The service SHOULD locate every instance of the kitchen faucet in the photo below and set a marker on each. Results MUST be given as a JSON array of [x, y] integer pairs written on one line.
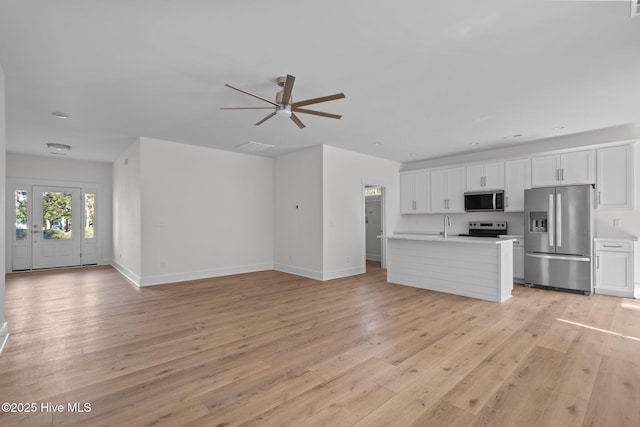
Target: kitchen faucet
[[447, 223]]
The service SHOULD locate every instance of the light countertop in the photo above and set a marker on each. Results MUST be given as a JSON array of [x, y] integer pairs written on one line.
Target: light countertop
[[623, 239], [450, 239]]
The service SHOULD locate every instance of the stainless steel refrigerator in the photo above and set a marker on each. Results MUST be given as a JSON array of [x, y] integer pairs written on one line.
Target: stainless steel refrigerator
[[559, 237]]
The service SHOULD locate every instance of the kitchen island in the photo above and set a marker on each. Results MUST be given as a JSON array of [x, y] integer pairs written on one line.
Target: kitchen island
[[470, 266]]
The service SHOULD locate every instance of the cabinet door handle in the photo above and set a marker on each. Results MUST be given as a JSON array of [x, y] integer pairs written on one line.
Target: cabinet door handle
[[611, 246], [506, 202], [557, 174], [598, 262], [562, 174], [599, 197]]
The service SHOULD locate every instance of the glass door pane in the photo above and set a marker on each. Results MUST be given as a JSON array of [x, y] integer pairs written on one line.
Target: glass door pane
[[56, 215]]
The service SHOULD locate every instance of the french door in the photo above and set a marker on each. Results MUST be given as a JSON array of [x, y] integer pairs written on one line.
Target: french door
[[53, 225], [56, 227]]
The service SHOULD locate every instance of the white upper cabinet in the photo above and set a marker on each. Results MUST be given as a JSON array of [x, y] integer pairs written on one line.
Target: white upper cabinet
[[447, 190], [577, 167], [615, 177], [489, 176], [517, 179], [414, 192]]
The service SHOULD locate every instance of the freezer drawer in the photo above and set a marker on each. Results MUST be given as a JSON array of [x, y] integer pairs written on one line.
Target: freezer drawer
[[565, 272]]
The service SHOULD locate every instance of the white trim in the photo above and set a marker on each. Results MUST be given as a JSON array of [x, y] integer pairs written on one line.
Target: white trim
[[311, 274], [337, 274], [4, 336], [128, 274], [374, 257], [13, 182], [161, 279], [385, 185]]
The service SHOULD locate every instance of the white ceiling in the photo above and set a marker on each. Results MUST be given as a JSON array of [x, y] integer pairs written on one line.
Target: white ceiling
[[423, 78]]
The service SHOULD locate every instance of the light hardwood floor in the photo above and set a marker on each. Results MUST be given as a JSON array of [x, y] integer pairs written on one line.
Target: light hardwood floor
[[274, 349]]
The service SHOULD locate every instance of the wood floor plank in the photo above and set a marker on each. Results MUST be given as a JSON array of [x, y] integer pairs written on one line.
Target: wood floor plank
[[269, 348], [615, 400]]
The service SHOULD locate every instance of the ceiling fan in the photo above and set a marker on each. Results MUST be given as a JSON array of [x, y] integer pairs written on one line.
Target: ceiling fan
[[284, 106]]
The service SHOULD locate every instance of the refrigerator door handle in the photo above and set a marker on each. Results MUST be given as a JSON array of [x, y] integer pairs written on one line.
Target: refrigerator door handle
[[560, 257], [559, 220], [551, 226], [494, 201]]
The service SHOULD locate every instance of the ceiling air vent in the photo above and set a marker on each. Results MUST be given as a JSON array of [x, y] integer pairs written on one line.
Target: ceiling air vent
[[635, 7], [253, 147]]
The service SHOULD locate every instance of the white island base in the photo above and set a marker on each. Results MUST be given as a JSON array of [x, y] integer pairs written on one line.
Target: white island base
[[468, 266]]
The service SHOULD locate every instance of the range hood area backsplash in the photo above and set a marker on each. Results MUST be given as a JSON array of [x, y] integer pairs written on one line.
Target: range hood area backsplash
[[433, 223]]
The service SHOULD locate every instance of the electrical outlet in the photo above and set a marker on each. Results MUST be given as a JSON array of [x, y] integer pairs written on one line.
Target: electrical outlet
[[617, 222]]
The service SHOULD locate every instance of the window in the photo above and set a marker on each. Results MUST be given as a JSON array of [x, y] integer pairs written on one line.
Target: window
[[89, 215], [56, 215], [373, 191], [21, 214]]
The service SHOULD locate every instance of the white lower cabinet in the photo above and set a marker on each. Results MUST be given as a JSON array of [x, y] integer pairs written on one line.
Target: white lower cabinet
[[518, 258], [614, 267]]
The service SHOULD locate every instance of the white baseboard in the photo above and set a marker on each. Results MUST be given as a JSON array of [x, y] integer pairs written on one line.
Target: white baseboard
[[4, 336], [128, 274], [373, 257], [311, 274], [160, 279], [318, 275], [343, 273]]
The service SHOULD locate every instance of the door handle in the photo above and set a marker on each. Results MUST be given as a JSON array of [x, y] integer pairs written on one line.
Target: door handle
[[559, 219], [550, 213]]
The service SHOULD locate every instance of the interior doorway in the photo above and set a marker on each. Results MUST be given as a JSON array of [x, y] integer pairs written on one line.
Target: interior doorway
[[374, 220]]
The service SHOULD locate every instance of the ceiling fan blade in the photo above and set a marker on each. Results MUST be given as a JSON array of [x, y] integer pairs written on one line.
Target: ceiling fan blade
[[251, 94], [266, 118], [316, 113], [246, 108], [288, 87], [318, 100], [297, 121]]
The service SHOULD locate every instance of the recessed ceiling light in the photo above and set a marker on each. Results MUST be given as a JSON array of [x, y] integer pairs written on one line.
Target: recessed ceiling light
[[58, 147], [413, 154], [60, 115], [474, 143], [377, 143], [557, 128], [518, 135]]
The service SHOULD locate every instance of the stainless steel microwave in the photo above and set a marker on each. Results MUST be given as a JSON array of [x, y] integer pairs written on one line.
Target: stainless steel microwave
[[482, 201]]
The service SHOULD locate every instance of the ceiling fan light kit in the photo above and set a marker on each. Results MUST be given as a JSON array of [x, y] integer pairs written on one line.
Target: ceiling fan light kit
[[284, 107]]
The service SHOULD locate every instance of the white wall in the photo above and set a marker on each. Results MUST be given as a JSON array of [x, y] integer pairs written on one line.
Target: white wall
[[205, 212], [345, 175], [127, 236], [297, 180], [46, 169], [3, 149]]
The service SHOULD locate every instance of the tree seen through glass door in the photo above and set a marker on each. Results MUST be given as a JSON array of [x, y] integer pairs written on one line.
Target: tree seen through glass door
[[56, 215]]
